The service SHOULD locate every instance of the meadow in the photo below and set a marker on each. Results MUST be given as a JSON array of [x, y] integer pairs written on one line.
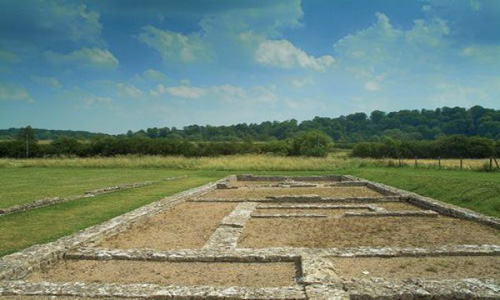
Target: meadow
[[24, 181]]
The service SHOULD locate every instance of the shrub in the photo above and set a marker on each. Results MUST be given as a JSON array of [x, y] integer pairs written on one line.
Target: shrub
[[312, 143]]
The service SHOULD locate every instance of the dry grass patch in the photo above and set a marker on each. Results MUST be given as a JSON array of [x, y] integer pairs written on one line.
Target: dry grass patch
[[185, 226], [450, 267], [171, 273], [356, 232], [262, 193]]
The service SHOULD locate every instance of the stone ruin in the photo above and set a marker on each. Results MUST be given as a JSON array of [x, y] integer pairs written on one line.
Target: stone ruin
[[270, 237]]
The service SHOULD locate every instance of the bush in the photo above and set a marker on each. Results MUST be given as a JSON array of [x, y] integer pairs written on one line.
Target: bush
[[446, 147], [312, 143]]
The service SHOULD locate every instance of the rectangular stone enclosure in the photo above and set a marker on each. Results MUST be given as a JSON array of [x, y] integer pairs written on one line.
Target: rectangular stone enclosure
[[271, 237]]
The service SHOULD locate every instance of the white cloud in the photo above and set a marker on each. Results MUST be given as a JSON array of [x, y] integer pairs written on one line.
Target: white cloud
[[179, 91], [95, 100], [48, 81], [75, 20], [457, 94], [129, 90], [173, 46], [383, 52], [300, 83], [49, 21], [226, 93], [85, 57], [229, 93], [262, 94], [484, 54], [154, 75], [11, 92], [282, 53]]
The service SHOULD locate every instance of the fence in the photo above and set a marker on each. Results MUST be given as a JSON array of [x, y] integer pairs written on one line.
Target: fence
[[461, 163]]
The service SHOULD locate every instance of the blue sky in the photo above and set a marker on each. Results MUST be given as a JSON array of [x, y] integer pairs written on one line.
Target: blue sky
[[110, 66]]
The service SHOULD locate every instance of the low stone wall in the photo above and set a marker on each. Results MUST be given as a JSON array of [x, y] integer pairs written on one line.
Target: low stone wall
[[277, 254], [231, 227], [18, 265], [317, 206], [302, 198], [148, 291], [288, 216], [435, 205], [250, 177], [378, 288], [315, 273], [409, 213]]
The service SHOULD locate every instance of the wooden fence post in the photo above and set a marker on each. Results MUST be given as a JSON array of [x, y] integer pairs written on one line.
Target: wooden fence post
[[491, 164], [439, 162], [461, 163], [416, 164]]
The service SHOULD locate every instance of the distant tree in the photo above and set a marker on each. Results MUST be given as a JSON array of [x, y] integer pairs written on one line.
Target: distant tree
[[27, 142], [312, 143]]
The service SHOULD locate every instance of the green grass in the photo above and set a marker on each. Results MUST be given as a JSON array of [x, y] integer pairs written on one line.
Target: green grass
[[24, 185], [475, 190], [47, 224]]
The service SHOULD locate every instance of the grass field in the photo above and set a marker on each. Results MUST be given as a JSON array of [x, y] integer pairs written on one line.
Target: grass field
[[20, 185], [339, 160], [23, 181], [46, 224]]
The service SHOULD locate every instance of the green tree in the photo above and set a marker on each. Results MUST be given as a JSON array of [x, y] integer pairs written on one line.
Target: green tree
[[312, 143], [27, 143]]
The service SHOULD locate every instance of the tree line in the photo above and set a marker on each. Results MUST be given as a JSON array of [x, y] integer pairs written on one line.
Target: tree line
[[311, 143], [404, 125], [454, 146]]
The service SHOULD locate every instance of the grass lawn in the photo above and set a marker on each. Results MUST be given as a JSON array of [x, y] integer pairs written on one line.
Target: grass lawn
[[46, 224], [475, 190], [24, 185]]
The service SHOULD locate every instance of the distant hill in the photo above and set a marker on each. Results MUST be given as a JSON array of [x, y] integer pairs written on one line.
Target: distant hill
[[49, 134], [404, 125]]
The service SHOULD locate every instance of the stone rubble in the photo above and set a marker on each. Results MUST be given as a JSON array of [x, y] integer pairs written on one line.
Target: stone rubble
[[148, 291]]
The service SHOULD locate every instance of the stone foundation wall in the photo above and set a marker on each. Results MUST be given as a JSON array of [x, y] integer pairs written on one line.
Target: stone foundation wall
[[432, 204], [315, 274], [18, 265]]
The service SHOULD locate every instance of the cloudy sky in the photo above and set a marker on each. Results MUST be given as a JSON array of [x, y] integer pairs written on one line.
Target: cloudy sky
[[114, 65]]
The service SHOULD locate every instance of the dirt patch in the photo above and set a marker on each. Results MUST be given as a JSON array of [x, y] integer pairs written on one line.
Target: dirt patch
[[171, 273], [261, 193], [355, 232], [328, 212], [397, 206], [185, 226], [454, 267]]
